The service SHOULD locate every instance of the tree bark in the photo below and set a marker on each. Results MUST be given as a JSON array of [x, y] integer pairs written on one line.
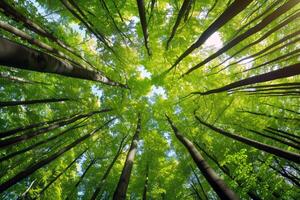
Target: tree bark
[[31, 169], [235, 8], [29, 102], [266, 21], [146, 183], [180, 15], [213, 179], [142, 14], [110, 166], [29, 134], [16, 55], [264, 147], [285, 72], [284, 132], [120, 192]]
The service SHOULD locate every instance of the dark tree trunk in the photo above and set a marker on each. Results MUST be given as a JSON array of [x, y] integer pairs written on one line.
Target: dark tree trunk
[[29, 134], [120, 192], [264, 147], [284, 132], [13, 154], [199, 182], [61, 173], [29, 102], [266, 21], [110, 166], [16, 55], [146, 183], [142, 13], [289, 71], [31, 169], [213, 179], [180, 15], [235, 8]]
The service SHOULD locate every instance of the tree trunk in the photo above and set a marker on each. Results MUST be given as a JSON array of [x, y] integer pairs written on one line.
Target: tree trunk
[[266, 21], [213, 179], [235, 8], [28, 135], [142, 13], [29, 102], [61, 173], [110, 166], [16, 55], [264, 147], [181, 13], [120, 192], [31, 169], [146, 183], [284, 132], [289, 71], [13, 154]]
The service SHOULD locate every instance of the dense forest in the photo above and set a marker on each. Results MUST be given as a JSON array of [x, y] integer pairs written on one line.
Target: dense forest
[[149, 99]]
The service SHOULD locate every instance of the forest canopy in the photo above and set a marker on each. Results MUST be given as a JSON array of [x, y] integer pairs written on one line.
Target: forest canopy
[[149, 99]]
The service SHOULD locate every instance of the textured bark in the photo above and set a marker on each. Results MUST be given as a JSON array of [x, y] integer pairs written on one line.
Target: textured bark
[[61, 173], [19, 17], [180, 15], [29, 134], [32, 168], [213, 179], [235, 8], [110, 166], [265, 22], [120, 192], [16, 55], [142, 14], [30, 102], [26, 149], [264, 147], [289, 71]]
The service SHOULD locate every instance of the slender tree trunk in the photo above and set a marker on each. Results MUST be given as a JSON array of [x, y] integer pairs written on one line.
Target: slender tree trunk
[[29, 102], [110, 166], [146, 183], [199, 182], [81, 178], [120, 192], [269, 116], [31, 169], [297, 142], [13, 154], [180, 15], [235, 8], [142, 13], [264, 147], [30, 126], [284, 132], [61, 173], [213, 179], [16, 55], [28, 135], [289, 71], [266, 21]]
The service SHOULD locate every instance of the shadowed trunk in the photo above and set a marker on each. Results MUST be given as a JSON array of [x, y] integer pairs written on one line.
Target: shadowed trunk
[[29, 134], [142, 14], [180, 15], [110, 166], [264, 147], [235, 8], [146, 183], [16, 55], [285, 72], [120, 192], [213, 179], [29, 102], [32, 168], [265, 22], [284, 132]]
